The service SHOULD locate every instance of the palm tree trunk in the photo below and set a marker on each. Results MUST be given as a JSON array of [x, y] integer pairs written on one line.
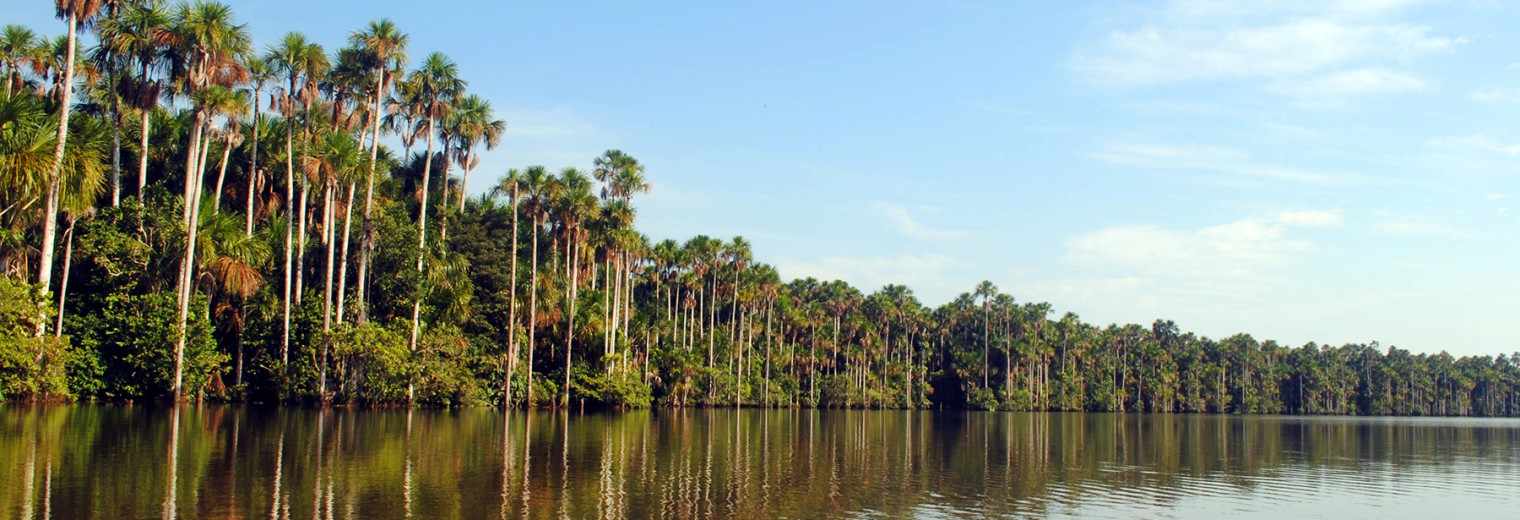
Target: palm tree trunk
[[253, 167], [607, 299], [506, 400], [573, 262], [142, 152], [628, 304], [348, 218], [301, 219], [290, 197], [187, 262], [767, 398], [221, 175], [703, 303], [50, 212], [985, 351], [367, 242], [443, 209], [427, 175], [532, 312], [464, 182], [327, 243], [328, 232], [63, 285], [115, 142]]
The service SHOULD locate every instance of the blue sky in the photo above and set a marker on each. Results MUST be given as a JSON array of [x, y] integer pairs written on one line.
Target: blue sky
[[1330, 171]]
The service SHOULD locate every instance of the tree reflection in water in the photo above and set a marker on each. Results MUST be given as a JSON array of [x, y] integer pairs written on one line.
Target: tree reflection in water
[[89, 461]]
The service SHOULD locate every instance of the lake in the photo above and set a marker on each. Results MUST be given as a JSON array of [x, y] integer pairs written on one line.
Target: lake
[[108, 461]]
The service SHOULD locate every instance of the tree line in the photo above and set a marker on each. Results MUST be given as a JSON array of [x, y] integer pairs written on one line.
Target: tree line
[[325, 265]]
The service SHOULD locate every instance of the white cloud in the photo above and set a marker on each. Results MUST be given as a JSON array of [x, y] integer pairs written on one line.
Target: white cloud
[[1331, 88], [1242, 250], [1496, 95], [1419, 227], [1305, 50], [920, 271], [1216, 159], [1311, 218], [908, 224], [1475, 142]]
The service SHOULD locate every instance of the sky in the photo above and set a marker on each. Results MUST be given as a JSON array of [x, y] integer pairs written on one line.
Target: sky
[[1332, 170]]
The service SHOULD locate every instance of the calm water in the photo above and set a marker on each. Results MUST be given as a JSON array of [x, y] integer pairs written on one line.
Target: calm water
[[90, 461]]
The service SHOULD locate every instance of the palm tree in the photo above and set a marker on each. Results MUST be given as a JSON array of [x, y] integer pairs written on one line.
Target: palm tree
[[110, 61], [511, 186], [535, 185], [83, 180], [574, 204], [475, 123], [26, 144], [230, 105], [259, 74], [388, 44], [230, 262], [987, 292], [74, 12], [18, 47], [437, 84], [144, 36], [207, 44], [335, 161], [292, 57]]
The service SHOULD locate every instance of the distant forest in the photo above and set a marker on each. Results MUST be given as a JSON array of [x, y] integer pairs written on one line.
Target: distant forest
[[318, 263]]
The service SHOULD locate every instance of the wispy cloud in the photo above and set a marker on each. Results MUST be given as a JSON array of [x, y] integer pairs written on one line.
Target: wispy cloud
[[1216, 159], [920, 271], [1308, 50], [1335, 87], [907, 222], [1497, 95], [1475, 142], [1416, 226], [1241, 249], [1311, 218]]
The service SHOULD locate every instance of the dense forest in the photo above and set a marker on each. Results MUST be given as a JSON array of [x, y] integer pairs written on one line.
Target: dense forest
[[185, 215]]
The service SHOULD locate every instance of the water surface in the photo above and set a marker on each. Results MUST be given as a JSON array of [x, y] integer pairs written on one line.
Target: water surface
[[103, 461]]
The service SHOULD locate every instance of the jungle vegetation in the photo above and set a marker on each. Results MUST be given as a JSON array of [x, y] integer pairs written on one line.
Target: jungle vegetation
[[186, 214]]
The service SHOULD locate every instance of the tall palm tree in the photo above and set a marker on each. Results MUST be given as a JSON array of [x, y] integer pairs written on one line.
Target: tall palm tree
[[574, 204], [388, 44], [18, 49], [259, 75], [333, 162], [74, 13], [83, 180], [207, 45], [111, 61], [437, 83], [535, 186], [477, 124], [144, 36], [292, 57], [230, 105], [511, 186], [987, 292]]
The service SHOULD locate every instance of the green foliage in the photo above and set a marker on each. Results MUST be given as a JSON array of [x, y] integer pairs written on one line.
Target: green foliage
[[598, 388], [371, 364], [30, 367], [441, 370], [133, 336], [982, 399]]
